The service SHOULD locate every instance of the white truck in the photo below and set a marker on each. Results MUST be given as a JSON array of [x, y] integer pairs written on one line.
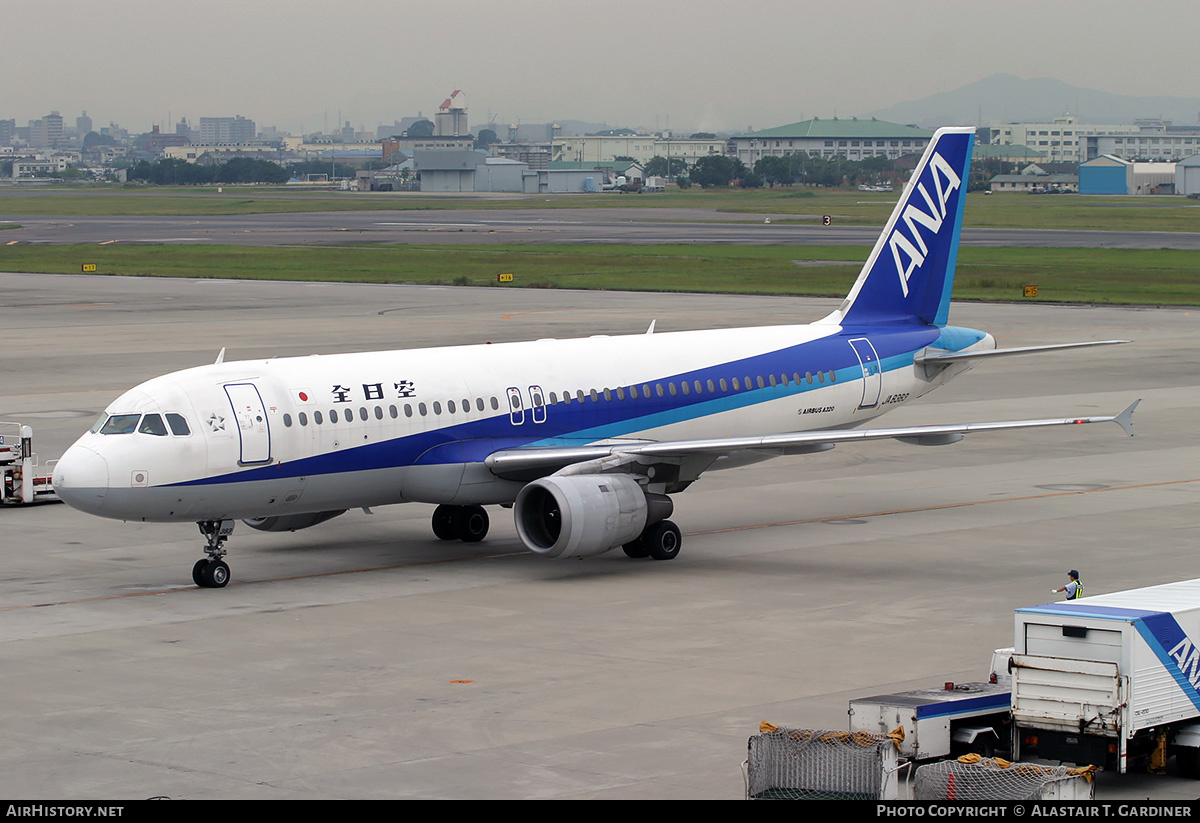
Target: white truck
[[1110, 680]]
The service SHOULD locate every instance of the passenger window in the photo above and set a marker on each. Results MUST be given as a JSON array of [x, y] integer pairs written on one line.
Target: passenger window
[[437, 407], [287, 421], [450, 407], [317, 418], [495, 404], [303, 418], [686, 386], [379, 412], [737, 386], [479, 404], [408, 410], [833, 377], [121, 424], [362, 414], [422, 409], [179, 425], [333, 417], [153, 424]]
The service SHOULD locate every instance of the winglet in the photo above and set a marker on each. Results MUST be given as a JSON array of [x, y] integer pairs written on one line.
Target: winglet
[[1125, 418]]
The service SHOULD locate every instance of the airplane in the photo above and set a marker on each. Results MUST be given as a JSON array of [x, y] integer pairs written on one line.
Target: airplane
[[585, 439]]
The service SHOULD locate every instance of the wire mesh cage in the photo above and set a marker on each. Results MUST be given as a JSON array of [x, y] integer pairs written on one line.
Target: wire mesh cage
[[972, 778], [810, 764]]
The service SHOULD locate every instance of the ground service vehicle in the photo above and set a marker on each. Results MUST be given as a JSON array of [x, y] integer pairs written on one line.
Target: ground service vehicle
[[1110, 680], [955, 718]]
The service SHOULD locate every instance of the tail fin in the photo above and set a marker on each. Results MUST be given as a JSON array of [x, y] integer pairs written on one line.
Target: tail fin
[[909, 275]]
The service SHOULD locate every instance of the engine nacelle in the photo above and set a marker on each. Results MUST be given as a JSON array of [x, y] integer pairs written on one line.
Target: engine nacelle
[[290, 522], [580, 515]]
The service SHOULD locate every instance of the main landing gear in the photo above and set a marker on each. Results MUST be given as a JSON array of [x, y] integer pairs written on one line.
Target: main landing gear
[[211, 572], [466, 523], [661, 541]]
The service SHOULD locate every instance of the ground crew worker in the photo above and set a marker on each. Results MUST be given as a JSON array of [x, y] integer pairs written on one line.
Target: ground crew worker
[[1074, 588]]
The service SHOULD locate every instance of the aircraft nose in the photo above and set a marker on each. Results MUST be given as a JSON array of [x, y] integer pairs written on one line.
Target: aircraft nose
[[81, 479]]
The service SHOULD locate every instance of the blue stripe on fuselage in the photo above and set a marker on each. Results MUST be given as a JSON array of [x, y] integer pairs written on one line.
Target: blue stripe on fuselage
[[578, 423]]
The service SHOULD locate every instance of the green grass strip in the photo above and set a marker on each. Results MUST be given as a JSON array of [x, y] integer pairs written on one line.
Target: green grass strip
[[1116, 276]]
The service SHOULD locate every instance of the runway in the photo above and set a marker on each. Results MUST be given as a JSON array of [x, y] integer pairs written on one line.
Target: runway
[[363, 658], [584, 226]]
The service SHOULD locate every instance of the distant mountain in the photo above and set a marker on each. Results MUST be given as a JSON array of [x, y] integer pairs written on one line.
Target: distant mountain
[[1003, 98]]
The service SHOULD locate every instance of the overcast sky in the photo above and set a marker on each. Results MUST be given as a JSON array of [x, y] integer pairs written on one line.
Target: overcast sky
[[689, 66]]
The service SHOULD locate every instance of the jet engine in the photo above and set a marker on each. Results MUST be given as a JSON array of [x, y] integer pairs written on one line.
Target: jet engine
[[585, 514], [291, 522]]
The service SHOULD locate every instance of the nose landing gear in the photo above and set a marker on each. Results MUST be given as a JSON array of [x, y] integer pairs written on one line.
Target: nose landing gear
[[211, 572]]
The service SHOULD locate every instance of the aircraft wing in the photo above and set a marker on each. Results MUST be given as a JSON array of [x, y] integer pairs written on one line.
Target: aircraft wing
[[516, 463]]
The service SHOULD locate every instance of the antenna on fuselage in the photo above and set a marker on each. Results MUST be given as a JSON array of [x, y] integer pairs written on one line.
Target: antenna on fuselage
[[220, 357], [651, 329]]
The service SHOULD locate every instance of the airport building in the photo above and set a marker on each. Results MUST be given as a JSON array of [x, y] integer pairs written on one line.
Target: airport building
[[1007, 154], [641, 147], [849, 139], [1187, 176], [1062, 141], [477, 171], [1115, 175], [1161, 142], [408, 145]]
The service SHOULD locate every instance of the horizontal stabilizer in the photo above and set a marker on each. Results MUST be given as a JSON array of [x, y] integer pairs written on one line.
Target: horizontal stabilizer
[[929, 359]]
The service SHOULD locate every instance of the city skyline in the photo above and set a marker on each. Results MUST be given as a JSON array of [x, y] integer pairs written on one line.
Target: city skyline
[[304, 66]]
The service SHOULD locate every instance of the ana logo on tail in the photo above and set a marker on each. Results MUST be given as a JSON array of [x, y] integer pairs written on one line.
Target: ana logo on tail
[[945, 181]]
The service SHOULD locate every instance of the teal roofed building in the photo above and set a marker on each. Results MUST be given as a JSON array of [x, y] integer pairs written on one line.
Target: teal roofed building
[[850, 139]]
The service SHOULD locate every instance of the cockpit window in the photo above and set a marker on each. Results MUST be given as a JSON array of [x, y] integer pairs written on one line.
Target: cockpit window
[[178, 424], [153, 424], [121, 424], [98, 424]]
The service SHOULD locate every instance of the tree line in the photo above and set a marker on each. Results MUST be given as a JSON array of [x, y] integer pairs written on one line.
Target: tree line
[[803, 169], [170, 172]]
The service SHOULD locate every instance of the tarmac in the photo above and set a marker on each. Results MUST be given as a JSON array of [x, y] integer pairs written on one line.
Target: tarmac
[[365, 659], [574, 226]]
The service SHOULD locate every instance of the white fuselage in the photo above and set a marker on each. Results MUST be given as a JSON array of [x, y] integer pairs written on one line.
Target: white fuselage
[[308, 434]]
